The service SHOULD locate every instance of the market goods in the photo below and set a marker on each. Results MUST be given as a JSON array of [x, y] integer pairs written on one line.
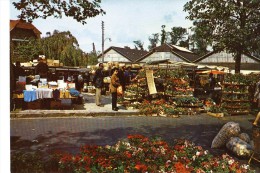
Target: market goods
[[230, 129], [245, 137], [239, 147]]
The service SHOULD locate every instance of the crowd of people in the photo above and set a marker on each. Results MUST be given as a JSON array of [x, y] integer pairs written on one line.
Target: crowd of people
[[120, 77]]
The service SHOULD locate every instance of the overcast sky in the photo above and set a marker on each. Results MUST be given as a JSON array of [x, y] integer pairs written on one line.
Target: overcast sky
[[125, 21]]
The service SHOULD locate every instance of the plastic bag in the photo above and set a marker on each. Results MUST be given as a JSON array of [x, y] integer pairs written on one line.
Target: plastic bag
[[245, 137], [239, 147], [119, 90], [230, 129]]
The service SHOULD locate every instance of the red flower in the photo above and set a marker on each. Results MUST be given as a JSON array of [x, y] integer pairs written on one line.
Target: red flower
[[141, 167], [128, 154], [181, 168]]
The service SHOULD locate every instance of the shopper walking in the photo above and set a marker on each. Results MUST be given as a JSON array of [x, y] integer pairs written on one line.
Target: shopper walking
[[98, 83], [113, 88]]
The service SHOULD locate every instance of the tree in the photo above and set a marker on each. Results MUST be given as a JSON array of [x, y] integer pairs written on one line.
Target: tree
[[27, 50], [198, 41], [163, 35], [233, 25], [139, 45], [177, 35], [62, 46], [80, 10], [153, 41], [92, 58]]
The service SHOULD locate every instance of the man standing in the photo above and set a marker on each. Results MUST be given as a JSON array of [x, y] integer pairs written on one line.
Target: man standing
[[98, 83], [42, 69]]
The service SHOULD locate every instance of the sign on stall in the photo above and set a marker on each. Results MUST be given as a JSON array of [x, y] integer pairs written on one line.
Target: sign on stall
[[150, 82]]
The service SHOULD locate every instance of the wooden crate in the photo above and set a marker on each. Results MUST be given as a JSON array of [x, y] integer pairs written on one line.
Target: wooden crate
[[55, 104], [34, 105]]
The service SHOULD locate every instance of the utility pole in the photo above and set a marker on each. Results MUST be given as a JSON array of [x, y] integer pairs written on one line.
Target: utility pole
[[94, 49], [102, 26]]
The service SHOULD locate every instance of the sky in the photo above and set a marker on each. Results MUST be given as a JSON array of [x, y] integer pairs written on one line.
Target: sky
[[125, 21]]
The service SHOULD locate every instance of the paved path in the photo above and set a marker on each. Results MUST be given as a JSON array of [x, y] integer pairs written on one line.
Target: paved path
[[88, 108]]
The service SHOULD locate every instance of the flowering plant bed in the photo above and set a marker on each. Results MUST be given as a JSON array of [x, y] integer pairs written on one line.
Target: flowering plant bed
[[138, 153]]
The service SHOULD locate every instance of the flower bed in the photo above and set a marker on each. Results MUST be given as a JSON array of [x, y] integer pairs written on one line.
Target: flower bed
[[138, 153]]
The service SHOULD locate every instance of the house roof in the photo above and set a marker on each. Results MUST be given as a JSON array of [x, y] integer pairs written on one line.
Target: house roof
[[181, 52], [130, 54], [213, 52], [24, 25]]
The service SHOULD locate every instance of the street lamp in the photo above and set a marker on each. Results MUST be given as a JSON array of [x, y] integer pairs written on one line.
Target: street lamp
[[103, 42]]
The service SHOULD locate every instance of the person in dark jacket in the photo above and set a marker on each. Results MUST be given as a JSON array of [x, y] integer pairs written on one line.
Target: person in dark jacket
[[42, 69], [113, 88], [18, 70], [98, 83]]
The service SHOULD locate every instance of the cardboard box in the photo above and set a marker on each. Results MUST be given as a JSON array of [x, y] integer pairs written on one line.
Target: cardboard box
[[18, 96]]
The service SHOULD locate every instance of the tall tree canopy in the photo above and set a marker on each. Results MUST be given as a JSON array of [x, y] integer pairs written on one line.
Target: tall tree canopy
[[177, 34], [233, 25], [61, 46], [163, 35], [198, 42], [154, 39], [80, 10], [139, 44]]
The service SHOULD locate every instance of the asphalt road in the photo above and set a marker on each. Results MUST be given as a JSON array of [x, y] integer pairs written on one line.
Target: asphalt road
[[69, 134]]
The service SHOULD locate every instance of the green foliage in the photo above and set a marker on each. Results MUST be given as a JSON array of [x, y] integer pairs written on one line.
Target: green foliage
[[61, 46], [27, 50], [64, 47], [216, 109], [163, 35], [230, 25], [78, 10], [177, 35], [153, 41], [198, 41], [239, 78], [139, 44], [27, 163], [92, 58]]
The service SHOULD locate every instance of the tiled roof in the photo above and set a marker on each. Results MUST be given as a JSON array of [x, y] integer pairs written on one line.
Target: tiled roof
[[130, 54], [24, 25], [181, 52]]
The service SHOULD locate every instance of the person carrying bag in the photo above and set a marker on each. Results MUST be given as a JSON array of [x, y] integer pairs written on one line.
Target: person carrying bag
[[114, 84]]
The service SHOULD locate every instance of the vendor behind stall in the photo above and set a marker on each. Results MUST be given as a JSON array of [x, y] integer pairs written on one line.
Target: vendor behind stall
[[42, 68], [18, 70]]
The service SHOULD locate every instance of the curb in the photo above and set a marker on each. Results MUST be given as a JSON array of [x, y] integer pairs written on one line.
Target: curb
[[68, 113]]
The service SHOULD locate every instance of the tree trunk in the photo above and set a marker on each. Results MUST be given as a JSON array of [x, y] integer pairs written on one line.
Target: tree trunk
[[238, 61]]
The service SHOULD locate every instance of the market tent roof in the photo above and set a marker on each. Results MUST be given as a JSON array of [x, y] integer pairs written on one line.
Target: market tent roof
[[213, 67], [211, 71]]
